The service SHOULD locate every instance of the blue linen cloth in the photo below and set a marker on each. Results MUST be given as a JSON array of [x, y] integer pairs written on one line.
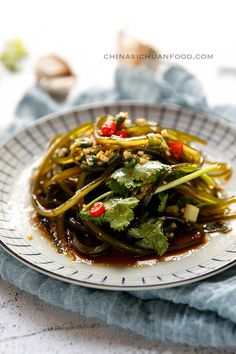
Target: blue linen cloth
[[201, 314]]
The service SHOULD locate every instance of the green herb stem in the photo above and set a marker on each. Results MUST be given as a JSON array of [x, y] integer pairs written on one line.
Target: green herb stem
[[107, 194], [185, 179]]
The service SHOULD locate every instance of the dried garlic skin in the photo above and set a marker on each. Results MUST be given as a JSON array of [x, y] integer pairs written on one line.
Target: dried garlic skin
[[55, 76], [132, 51]]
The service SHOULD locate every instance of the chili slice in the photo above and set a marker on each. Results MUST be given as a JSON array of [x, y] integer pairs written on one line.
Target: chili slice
[[97, 209], [108, 128], [176, 149]]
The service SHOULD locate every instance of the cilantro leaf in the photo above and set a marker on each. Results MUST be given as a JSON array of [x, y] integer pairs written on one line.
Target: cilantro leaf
[[150, 235], [131, 202], [132, 178], [117, 187], [119, 216], [86, 215], [118, 212]]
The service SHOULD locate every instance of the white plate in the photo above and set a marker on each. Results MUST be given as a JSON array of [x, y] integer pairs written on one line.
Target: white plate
[[19, 154]]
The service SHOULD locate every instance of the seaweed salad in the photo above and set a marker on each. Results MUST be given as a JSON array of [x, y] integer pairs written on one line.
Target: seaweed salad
[[115, 187]]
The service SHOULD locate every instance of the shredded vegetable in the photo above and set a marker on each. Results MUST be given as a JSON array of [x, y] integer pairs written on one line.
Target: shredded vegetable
[[139, 189]]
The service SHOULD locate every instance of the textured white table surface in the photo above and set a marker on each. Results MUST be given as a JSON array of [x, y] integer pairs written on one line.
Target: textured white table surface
[[27, 325]]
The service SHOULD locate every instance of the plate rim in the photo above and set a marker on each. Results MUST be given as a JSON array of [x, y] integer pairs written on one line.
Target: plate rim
[[115, 287], [97, 105], [122, 287]]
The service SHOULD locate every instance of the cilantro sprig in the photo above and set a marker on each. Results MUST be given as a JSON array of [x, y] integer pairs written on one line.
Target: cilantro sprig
[[126, 179], [150, 235], [119, 212]]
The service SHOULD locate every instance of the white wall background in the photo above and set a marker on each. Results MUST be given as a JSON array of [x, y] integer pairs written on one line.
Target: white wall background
[[83, 31]]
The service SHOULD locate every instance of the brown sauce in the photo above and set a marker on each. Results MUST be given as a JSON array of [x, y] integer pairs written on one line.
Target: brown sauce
[[123, 260], [117, 259]]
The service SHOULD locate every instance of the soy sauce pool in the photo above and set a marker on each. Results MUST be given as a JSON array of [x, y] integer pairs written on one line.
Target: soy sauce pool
[[123, 260], [178, 248]]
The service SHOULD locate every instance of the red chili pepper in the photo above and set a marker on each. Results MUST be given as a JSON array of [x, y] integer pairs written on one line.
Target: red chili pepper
[[176, 149], [122, 133], [97, 209], [108, 128]]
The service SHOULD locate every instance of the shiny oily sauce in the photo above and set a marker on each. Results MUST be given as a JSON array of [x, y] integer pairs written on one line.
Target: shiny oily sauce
[[113, 258]]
